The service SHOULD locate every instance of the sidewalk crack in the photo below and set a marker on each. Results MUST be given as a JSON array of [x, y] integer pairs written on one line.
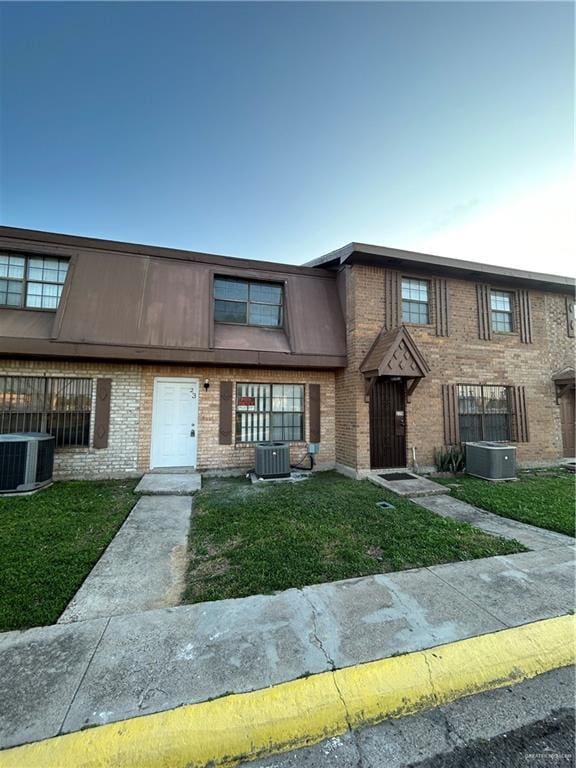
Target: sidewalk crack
[[480, 608], [84, 675], [430, 677], [317, 641]]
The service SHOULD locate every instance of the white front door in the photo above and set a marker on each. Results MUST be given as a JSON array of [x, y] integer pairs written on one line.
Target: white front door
[[174, 423]]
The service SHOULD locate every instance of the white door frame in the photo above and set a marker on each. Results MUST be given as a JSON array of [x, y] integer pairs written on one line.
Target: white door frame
[[155, 406]]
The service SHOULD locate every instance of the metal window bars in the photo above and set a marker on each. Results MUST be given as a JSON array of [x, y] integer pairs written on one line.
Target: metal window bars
[[485, 412], [59, 406], [269, 412]]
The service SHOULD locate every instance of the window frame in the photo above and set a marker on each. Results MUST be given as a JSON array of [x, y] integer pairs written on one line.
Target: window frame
[[511, 311], [483, 413], [427, 303], [25, 280], [248, 302], [270, 412], [44, 392]]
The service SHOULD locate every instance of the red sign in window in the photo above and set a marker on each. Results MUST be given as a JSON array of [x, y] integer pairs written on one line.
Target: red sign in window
[[246, 400]]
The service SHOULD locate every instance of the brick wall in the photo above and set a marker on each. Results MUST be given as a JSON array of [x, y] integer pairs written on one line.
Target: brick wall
[[211, 455], [128, 451], [458, 358], [120, 458]]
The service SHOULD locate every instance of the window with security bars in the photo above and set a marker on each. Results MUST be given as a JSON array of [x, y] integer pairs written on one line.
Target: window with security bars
[[58, 406], [246, 303], [269, 412], [502, 311], [34, 282], [415, 302], [485, 412]]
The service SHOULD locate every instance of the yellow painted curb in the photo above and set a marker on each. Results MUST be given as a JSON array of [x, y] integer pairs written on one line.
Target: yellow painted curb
[[305, 711]]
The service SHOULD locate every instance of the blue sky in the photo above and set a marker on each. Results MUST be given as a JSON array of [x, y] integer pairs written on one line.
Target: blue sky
[[283, 130]]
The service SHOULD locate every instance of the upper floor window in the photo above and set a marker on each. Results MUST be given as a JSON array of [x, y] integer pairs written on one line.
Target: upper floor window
[[502, 310], [415, 302], [247, 303], [31, 281]]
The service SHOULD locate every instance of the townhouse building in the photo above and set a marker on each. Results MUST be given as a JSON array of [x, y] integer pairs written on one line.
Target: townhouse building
[[139, 357]]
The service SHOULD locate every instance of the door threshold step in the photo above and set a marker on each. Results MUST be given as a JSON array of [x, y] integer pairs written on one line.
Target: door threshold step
[[406, 483], [169, 484]]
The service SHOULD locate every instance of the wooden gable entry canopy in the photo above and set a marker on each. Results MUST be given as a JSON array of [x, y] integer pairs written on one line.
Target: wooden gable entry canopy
[[394, 353], [564, 381]]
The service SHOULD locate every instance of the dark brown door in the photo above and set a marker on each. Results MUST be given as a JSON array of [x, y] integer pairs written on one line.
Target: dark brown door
[[387, 440], [567, 417]]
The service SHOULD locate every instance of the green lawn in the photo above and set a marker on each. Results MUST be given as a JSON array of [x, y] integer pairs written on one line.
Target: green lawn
[[544, 497], [258, 539], [50, 541]]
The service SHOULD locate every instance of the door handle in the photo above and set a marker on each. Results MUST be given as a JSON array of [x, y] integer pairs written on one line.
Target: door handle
[[192, 432]]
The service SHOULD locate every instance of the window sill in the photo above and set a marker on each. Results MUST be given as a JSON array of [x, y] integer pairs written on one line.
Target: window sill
[[28, 309], [296, 443], [251, 325], [418, 325]]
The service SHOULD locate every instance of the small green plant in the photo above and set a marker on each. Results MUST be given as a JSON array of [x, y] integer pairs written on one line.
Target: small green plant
[[450, 459]]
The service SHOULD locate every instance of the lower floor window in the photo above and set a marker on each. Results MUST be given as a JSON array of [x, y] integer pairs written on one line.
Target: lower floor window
[[269, 412], [484, 412], [59, 406]]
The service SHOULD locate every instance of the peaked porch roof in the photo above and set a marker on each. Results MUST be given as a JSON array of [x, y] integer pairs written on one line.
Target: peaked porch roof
[[394, 353]]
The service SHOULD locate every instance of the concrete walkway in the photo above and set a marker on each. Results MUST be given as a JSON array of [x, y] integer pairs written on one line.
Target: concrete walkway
[[170, 483], [143, 567], [529, 535], [65, 677]]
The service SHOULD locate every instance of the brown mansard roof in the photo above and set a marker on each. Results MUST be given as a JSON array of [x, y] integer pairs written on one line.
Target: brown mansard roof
[[378, 255], [131, 302]]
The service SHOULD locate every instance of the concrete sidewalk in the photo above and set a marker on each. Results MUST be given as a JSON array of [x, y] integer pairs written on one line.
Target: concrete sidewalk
[[530, 536], [143, 567], [65, 677]]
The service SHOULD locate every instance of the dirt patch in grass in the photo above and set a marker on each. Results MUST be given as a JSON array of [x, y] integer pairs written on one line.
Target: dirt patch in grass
[[252, 539]]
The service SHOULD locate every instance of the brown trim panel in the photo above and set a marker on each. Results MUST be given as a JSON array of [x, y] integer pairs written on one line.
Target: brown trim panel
[[484, 316], [102, 413], [570, 316], [36, 348], [520, 432], [525, 316], [225, 422], [392, 299], [314, 396], [451, 416], [441, 307]]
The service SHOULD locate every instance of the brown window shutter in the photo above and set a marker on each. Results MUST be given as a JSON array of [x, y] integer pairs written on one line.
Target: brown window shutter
[[441, 307], [314, 393], [392, 299], [570, 316], [525, 317], [520, 432], [451, 420], [226, 400], [102, 414], [484, 314]]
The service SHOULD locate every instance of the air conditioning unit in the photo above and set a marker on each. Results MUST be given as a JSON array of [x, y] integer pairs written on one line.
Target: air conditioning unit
[[26, 461], [272, 460], [491, 461]]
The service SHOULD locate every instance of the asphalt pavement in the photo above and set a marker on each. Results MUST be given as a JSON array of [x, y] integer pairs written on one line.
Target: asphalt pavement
[[529, 725]]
